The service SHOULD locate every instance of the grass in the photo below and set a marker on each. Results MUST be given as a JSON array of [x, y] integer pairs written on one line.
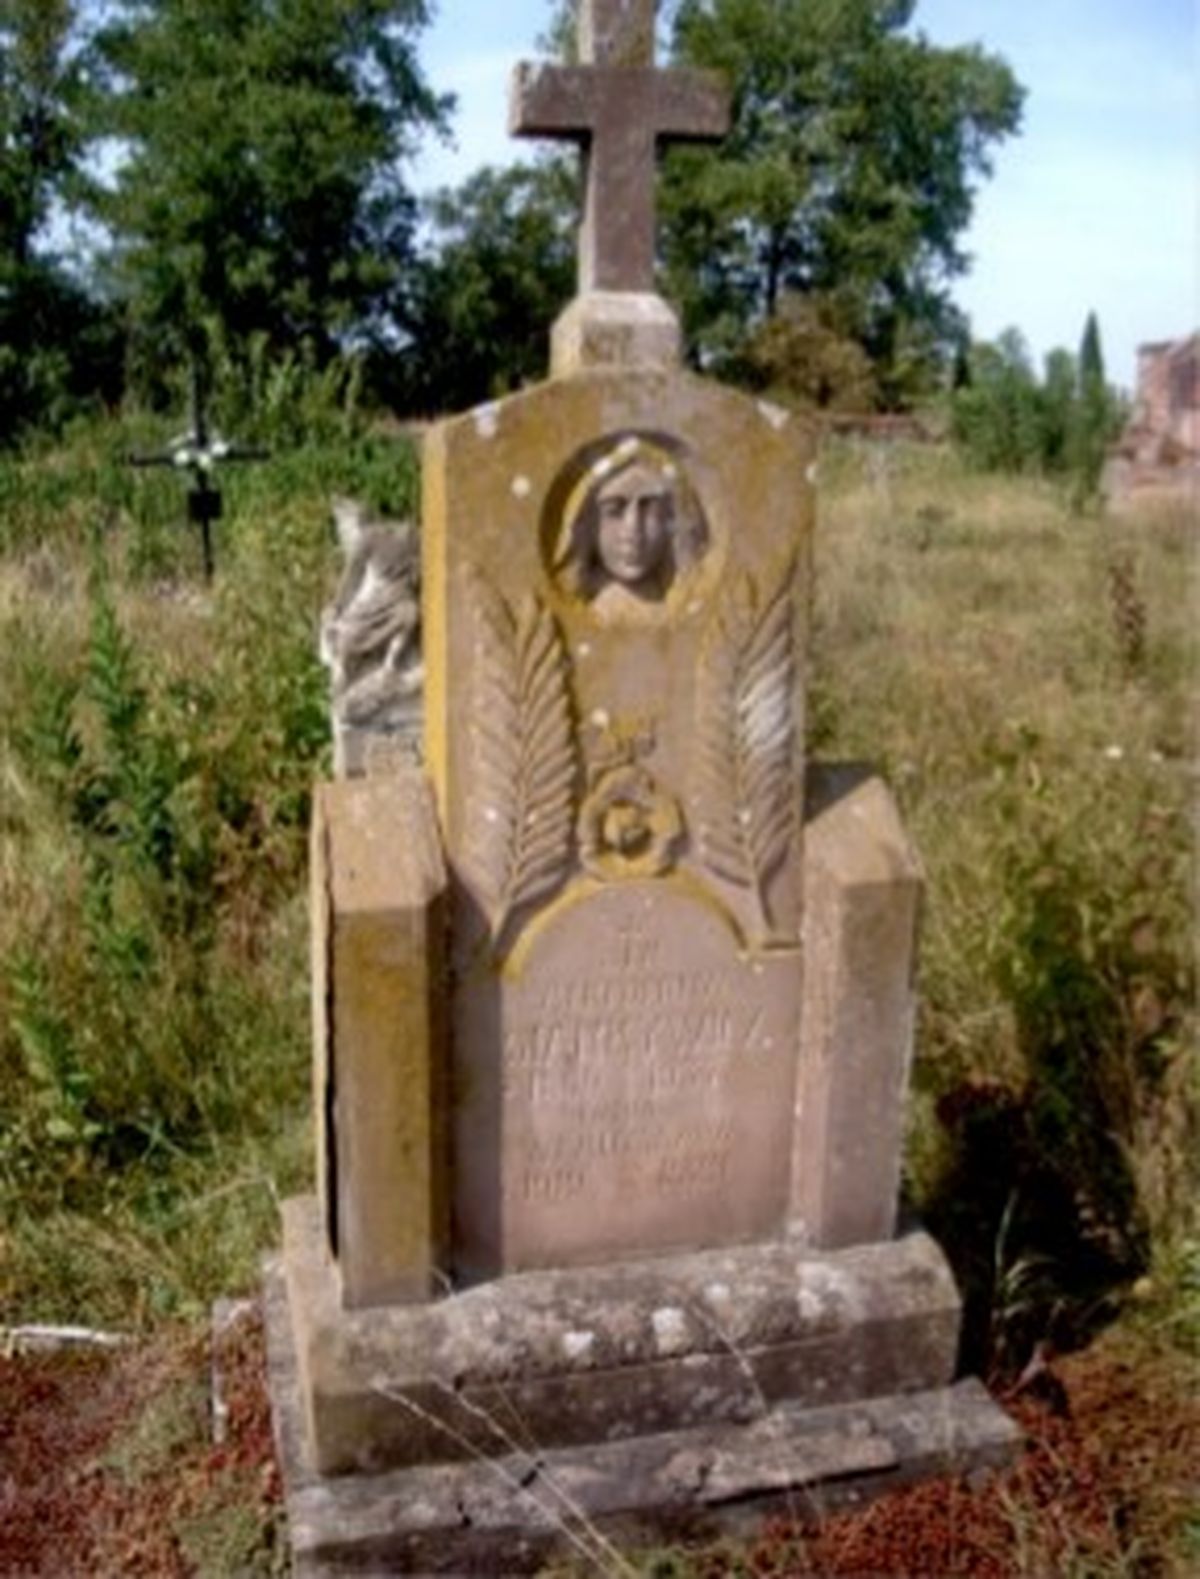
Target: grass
[[967, 642], [157, 749]]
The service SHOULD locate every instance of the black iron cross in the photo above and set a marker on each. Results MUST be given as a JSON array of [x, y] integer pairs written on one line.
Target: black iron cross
[[198, 453], [619, 107]]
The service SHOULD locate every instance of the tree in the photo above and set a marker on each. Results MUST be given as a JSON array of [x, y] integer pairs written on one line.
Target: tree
[[37, 133], [54, 345], [1094, 419], [998, 416], [849, 172], [498, 267], [259, 187], [802, 355], [1060, 384], [1006, 421]]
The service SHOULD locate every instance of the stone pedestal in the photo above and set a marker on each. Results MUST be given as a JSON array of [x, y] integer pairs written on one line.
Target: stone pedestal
[[808, 1362], [685, 1395], [614, 329]]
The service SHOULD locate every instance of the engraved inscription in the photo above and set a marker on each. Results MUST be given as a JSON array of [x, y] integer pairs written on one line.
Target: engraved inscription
[[620, 1082], [692, 1163], [641, 1092]]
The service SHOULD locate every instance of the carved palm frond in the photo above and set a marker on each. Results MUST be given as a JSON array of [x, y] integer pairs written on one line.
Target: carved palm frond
[[520, 814], [744, 786], [715, 783], [548, 773], [765, 734]]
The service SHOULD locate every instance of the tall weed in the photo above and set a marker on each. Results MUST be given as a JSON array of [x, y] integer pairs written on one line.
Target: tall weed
[[965, 643], [158, 746]]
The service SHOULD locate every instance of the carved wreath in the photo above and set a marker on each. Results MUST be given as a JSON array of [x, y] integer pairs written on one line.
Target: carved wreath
[[744, 789], [520, 814]]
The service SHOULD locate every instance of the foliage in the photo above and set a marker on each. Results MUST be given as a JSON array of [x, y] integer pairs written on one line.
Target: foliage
[[1007, 420], [497, 267], [826, 225], [158, 749], [1095, 419], [258, 182], [56, 347], [802, 357], [998, 414], [848, 173], [38, 134]]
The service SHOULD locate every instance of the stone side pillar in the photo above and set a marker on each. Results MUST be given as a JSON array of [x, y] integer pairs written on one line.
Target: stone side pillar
[[378, 905], [862, 891]]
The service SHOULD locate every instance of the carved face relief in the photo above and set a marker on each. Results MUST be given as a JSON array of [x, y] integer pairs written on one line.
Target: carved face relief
[[635, 511], [632, 532]]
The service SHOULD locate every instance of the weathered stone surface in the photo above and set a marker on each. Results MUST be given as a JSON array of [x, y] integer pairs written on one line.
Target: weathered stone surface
[[618, 107], [617, 32], [615, 330], [640, 1092], [678, 984], [862, 891], [615, 575], [613, 1351], [510, 1513], [371, 642], [378, 887]]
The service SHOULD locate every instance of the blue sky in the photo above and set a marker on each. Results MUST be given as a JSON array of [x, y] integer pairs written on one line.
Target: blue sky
[[1095, 205]]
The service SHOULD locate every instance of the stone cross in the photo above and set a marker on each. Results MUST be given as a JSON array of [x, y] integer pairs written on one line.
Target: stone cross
[[618, 107]]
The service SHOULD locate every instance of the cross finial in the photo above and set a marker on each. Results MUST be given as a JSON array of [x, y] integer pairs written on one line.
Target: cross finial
[[619, 108]]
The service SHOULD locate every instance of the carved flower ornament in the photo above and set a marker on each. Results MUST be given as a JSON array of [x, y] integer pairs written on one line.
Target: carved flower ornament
[[628, 826]]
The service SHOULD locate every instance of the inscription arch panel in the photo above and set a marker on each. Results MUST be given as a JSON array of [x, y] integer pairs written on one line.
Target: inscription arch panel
[[637, 1091]]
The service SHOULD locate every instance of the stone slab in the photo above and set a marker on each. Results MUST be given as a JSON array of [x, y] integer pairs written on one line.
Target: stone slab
[[611, 1352], [631, 1091], [380, 1059], [616, 583], [511, 1513], [863, 884]]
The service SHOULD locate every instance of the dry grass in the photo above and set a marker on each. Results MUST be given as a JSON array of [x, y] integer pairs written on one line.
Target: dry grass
[[966, 643]]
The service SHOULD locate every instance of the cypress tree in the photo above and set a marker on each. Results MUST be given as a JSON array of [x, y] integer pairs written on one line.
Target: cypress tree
[[1093, 420]]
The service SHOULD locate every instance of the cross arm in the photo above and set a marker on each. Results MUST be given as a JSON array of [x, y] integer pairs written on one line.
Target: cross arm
[[559, 101], [568, 101]]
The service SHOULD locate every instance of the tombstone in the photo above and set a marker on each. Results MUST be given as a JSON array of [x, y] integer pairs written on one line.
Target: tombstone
[[613, 998]]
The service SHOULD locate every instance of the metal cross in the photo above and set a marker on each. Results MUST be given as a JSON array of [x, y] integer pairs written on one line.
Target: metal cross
[[618, 107], [198, 453]]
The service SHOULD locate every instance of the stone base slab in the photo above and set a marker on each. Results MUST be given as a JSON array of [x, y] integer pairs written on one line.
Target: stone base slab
[[611, 1352], [509, 1514]]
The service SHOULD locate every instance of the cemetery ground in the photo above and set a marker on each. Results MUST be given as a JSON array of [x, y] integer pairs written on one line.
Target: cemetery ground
[[1022, 677]]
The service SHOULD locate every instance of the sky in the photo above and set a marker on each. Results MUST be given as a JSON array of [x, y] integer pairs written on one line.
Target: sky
[[1094, 206]]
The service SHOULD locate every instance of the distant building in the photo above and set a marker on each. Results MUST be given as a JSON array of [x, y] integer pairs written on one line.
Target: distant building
[[1164, 428]]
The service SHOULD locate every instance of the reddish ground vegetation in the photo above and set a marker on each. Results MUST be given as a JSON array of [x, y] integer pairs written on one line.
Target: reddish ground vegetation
[[1109, 1484], [107, 1466], [107, 1463]]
